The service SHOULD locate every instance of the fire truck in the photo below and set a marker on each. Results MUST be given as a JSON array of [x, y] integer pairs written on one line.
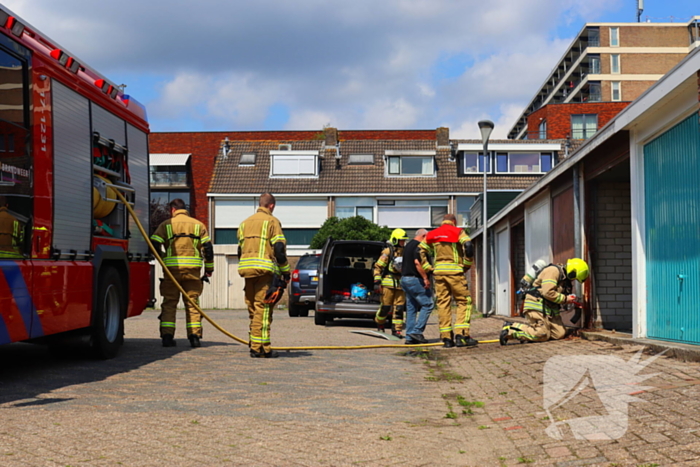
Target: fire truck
[[73, 265]]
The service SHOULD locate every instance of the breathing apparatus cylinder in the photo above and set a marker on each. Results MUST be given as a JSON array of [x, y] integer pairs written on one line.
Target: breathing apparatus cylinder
[[531, 274]]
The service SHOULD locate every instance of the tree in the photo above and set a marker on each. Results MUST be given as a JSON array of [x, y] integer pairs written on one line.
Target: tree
[[351, 228]]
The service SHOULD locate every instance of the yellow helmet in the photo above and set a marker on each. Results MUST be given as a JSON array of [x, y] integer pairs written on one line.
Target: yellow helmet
[[576, 268], [396, 235]]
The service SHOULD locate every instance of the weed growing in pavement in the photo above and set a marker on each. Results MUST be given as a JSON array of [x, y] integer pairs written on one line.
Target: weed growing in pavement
[[462, 451], [525, 460], [451, 413], [484, 427], [194, 422], [385, 438], [503, 393], [465, 403], [467, 412], [648, 465]]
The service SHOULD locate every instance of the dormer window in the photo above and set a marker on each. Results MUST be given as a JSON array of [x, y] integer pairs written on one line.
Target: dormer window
[[293, 163], [247, 159], [410, 163]]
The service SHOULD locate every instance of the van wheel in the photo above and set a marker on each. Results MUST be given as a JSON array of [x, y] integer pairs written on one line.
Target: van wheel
[[107, 333], [319, 319], [304, 311], [294, 310]]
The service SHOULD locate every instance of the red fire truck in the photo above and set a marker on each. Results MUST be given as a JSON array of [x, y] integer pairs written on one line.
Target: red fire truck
[[72, 263]]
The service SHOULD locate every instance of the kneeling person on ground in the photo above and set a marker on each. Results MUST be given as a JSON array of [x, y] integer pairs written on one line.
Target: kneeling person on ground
[[550, 290], [185, 240]]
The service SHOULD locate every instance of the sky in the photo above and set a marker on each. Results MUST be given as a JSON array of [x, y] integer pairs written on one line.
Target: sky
[[235, 65]]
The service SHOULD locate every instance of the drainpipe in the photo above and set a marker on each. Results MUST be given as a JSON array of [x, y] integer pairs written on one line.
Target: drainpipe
[[578, 250]]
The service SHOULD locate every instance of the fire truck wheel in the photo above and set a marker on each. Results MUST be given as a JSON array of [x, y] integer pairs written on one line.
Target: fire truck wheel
[[108, 319]]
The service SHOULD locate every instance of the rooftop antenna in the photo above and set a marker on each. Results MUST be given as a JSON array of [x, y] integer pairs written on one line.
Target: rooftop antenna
[[640, 9]]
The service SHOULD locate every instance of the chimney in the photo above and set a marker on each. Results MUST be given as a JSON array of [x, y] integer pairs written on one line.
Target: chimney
[[442, 135], [331, 136]]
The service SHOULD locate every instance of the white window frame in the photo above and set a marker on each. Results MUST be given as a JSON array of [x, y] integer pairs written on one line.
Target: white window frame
[[289, 156], [585, 117], [399, 204], [615, 87], [401, 154], [477, 154], [355, 208], [614, 36], [542, 129], [615, 64], [513, 153]]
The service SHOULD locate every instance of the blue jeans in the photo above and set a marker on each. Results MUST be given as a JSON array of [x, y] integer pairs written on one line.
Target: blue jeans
[[419, 301]]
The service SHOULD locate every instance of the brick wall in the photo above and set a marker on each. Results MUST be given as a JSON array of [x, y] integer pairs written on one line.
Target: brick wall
[[558, 116], [612, 262], [649, 36], [654, 64]]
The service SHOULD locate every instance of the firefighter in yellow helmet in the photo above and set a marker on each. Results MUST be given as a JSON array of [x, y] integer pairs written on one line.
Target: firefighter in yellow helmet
[[11, 232], [452, 252], [543, 302], [186, 241], [262, 253], [387, 278]]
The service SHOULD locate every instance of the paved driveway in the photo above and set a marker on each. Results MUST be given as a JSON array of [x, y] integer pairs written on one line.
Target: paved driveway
[[217, 406]]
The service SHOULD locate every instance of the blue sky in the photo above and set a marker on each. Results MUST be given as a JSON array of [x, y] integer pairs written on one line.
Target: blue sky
[[354, 64]]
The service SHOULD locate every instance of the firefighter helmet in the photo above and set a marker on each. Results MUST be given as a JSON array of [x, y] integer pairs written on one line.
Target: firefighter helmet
[[396, 235], [576, 268]]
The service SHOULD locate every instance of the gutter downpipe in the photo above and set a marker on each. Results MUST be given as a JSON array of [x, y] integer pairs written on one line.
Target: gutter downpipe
[[578, 251]]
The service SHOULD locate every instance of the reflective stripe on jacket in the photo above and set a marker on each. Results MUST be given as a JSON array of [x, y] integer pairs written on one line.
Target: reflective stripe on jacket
[[257, 236], [552, 286], [183, 238], [449, 258], [385, 264]]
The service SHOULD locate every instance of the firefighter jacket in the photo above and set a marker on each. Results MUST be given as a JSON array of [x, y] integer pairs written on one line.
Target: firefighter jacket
[[185, 240], [385, 269], [445, 245], [257, 237], [11, 231], [549, 291]]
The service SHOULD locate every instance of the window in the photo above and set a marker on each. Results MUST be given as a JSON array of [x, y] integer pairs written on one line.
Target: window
[[593, 37], [523, 162], [583, 126], [411, 214], [615, 91], [411, 165], [361, 159], [545, 162], [464, 205], [159, 209], [168, 175], [594, 94], [298, 163], [594, 65], [543, 129], [343, 212], [615, 64], [474, 163], [614, 37], [437, 214], [247, 159]]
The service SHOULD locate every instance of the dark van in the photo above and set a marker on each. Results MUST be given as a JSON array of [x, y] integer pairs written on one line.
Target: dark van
[[346, 280]]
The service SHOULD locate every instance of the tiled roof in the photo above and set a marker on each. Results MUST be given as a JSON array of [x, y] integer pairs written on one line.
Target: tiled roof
[[337, 176]]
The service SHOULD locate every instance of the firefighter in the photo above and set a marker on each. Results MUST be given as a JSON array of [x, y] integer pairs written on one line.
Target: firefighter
[[543, 301], [11, 232], [387, 279], [262, 256], [185, 241], [452, 252]]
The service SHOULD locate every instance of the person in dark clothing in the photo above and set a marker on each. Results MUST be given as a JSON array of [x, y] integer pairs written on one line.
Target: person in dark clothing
[[416, 286]]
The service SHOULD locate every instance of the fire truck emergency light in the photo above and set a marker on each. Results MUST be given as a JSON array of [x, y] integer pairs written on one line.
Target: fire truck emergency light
[[60, 55], [73, 65], [102, 84], [15, 26], [4, 16], [113, 92]]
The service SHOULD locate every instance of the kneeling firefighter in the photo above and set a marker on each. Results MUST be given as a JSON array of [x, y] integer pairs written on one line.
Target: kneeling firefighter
[[387, 278], [185, 240], [543, 302]]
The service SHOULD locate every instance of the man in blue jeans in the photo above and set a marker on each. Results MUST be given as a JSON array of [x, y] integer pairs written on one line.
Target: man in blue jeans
[[416, 286]]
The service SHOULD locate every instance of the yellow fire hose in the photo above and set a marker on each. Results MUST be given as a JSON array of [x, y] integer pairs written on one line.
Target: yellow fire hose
[[242, 341]]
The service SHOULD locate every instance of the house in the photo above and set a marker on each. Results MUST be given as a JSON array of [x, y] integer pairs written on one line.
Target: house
[[606, 66], [626, 201]]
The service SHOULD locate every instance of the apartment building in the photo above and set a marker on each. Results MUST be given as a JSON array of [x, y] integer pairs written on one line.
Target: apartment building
[[605, 68]]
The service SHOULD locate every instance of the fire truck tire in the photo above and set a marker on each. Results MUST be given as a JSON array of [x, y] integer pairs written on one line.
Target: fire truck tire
[[108, 320]]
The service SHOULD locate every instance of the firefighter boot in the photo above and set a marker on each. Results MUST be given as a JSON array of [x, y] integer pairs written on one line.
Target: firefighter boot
[[169, 341], [194, 342], [503, 338], [396, 333], [448, 343]]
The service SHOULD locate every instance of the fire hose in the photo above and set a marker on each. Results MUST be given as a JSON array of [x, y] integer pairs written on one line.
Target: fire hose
[[194, 303]]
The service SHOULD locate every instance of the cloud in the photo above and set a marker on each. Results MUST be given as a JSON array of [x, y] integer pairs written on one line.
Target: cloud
[[351, 63]]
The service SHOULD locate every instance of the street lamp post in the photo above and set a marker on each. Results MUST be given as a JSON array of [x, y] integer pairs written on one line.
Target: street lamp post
[[485, 127]]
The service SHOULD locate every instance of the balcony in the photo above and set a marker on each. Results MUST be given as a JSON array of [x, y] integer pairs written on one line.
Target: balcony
[[169, 179]]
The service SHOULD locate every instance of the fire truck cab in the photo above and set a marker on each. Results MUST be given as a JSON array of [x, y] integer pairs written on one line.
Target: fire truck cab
[[72, 263]]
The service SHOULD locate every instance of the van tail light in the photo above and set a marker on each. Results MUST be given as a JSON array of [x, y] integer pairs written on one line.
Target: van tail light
[[295, 276]]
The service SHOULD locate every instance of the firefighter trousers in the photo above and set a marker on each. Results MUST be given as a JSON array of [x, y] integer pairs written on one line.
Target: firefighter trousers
[[394, 302], [539, 327], [259, 312], [447, 288], [191, 283]]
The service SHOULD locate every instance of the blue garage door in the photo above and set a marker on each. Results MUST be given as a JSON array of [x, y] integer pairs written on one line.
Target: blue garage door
[[672, 198]]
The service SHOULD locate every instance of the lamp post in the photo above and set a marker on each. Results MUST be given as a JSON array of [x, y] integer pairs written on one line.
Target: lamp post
[[485, 127]]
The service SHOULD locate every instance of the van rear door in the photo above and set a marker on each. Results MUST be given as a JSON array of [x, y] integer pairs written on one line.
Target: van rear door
[[323, 268]]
